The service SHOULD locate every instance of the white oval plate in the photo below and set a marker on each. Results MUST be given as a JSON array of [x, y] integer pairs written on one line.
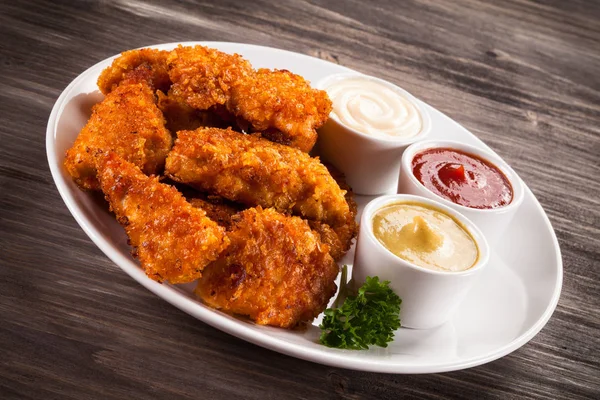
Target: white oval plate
[[513, 300]]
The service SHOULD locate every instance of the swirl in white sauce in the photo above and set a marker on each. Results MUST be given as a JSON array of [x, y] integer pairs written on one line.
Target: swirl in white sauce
[[371, 107]]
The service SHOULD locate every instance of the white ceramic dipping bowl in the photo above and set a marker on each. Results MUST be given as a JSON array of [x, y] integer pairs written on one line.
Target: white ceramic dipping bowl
[[429, 297], [370, 163], [492, 222]]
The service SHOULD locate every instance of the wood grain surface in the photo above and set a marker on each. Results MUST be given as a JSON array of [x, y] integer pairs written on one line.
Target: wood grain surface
[[522, 75]]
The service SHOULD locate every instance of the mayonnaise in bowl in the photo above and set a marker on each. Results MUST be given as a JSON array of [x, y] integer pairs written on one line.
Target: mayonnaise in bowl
[[371, 123], [371, 107]]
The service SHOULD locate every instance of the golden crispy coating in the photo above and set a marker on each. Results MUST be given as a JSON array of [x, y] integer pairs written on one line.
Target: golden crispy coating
[[338, 238], [328, 236], [153, 61], [347, 231], [254, 171], [276, 271], [180, 116], [281, 105], [173, 240], [127, 122], [203, 76], [222, 212], [217, 209]]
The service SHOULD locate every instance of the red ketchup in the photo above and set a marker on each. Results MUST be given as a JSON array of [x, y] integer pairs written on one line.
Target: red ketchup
[[462, 178]]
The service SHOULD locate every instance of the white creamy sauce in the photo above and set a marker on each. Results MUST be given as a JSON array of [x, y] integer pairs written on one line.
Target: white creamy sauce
[[372, 108]]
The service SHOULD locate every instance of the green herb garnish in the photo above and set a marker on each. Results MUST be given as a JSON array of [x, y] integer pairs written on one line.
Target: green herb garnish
[[369, 318]]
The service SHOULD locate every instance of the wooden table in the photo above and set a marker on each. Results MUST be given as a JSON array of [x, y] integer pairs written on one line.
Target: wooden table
[[523, 76]]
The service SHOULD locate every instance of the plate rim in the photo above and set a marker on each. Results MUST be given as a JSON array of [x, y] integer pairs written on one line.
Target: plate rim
[[242, 330]]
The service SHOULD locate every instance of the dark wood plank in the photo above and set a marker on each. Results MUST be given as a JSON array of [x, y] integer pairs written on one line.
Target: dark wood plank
[[522, 75]]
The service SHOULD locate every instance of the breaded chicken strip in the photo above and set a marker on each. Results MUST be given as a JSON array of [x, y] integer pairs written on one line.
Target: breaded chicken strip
[[151, 60], [203, 76], [173, 240], [281, 105], [127, 122], [254, 171], [276, 271]]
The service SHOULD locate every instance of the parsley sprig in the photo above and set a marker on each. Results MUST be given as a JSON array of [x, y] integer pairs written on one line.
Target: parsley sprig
[[369, 318]]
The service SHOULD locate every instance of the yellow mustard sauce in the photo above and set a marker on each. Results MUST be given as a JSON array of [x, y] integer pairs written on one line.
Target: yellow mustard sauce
[[425, 236]]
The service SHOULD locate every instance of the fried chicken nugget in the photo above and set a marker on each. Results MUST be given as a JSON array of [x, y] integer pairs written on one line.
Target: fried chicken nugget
[[254, 171], [151, 60], [276, 271], [127, 122], [203, 76], [281, 105], [173, 240]]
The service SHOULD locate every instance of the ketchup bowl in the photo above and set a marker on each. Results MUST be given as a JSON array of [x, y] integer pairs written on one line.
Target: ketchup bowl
[[367, 155], [492, 219], [429, 296]]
